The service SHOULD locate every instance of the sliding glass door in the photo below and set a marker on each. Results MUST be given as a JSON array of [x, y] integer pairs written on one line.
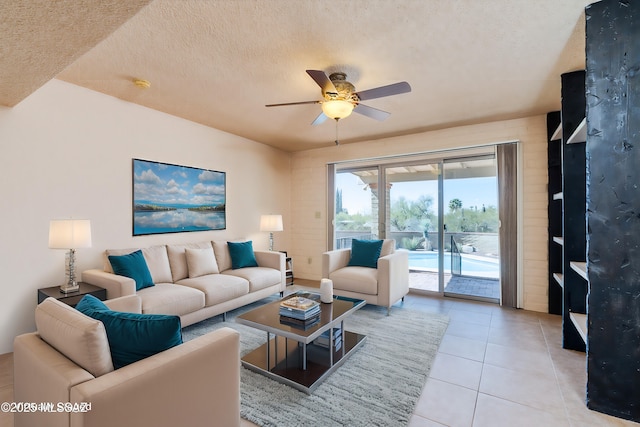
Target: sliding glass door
[[471, 228], [414, 218], [442, 210]]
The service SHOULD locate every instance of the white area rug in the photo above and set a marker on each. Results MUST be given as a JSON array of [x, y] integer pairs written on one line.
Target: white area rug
[[378, 385]]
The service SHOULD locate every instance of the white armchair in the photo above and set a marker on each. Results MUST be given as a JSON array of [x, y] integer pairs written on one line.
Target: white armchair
[[383, 286], [68, 361]]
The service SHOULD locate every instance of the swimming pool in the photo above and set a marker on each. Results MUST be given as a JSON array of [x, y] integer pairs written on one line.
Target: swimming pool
[[472, 265]]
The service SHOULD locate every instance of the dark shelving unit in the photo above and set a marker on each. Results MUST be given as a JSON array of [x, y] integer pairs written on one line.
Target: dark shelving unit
[[554, 158], [567, 211], [574, 206]]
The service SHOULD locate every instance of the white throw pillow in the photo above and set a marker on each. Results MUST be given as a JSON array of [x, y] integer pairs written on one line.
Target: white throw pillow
[[178, 258], [201, 262], [223, 258]]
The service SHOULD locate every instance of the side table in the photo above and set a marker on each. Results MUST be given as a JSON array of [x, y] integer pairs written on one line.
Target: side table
[[289, 271], [72, 298], [288, 266]]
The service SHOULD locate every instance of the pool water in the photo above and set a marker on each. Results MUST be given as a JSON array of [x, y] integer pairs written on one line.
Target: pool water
[[472, 265]]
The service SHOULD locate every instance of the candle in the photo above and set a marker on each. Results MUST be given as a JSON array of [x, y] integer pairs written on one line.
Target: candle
[[326, 290]]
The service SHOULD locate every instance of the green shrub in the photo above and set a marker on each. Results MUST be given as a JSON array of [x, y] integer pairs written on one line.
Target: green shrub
[[412, 243]]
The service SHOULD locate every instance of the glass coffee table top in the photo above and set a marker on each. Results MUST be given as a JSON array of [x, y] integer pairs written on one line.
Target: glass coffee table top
[[292, 355], [267, 317]]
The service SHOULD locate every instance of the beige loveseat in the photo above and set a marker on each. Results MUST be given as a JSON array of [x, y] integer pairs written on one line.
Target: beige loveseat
[[383, 286], [192, 286], [67, 362]]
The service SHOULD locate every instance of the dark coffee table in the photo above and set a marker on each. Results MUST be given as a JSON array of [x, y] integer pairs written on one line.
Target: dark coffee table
[[291, 356]]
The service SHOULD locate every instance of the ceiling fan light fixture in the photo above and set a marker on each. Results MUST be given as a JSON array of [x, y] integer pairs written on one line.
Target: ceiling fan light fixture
[[337, 108]]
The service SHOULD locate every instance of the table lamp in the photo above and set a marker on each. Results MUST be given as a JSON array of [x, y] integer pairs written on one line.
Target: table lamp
[[70, 234], [271, 223]]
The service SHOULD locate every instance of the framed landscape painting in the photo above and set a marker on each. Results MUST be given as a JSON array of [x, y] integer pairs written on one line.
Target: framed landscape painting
[[173, 199]]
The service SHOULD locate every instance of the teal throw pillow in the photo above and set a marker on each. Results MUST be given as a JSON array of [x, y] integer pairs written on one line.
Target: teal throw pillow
[[365, 253], [134, 266], [133, 336], [242, 255], [89, 302]]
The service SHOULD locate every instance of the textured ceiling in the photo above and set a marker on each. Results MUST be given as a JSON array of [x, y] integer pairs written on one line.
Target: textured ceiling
[[40, 38], [219, 62]]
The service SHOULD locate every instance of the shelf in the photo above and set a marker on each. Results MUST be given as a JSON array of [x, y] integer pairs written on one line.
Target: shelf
[[559, 278], [580, 322], [288, 271], [580, 134], [557, 134], [567, 184], [580, 268]]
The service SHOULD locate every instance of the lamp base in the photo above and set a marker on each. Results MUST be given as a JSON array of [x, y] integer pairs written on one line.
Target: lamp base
[[69, 288], [70, 274]]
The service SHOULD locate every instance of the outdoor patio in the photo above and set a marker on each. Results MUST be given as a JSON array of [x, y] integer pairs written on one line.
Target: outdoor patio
[[484, 289]]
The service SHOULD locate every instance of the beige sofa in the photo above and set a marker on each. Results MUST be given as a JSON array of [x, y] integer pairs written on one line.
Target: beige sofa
[[191, 287], [68, 361], [383, 286]]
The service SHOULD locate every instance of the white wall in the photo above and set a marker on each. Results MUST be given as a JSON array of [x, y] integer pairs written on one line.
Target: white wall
[[66, 152], [309, 191]]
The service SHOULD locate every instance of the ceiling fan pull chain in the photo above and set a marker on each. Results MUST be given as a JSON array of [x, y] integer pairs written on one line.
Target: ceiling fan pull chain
[[337, 141]]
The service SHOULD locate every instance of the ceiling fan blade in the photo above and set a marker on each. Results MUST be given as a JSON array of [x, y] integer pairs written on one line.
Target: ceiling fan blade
[[322, 80], [371, 112], [293, 103], [320, 119], [379, 92]]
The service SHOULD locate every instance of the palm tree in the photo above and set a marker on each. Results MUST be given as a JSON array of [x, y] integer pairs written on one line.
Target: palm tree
[[455, 204]]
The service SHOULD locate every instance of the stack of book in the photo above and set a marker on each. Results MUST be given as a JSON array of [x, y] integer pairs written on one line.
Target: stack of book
[[299, 311], [323, 340]]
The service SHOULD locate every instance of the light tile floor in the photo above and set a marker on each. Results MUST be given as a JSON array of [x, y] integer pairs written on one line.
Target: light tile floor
[[503, 367], [495, 367]]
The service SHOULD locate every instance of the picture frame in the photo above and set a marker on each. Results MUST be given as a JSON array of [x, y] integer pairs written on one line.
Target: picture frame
[[170, 198]]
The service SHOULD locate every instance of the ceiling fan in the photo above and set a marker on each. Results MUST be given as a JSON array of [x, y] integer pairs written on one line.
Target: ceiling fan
[[339, 97]]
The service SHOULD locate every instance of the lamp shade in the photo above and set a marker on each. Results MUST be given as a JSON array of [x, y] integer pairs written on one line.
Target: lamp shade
[[69, 233], [271, 223], [337, 109]]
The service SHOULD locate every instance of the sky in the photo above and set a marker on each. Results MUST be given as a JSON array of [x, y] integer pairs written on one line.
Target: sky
[[166, 184], [471, 191]]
